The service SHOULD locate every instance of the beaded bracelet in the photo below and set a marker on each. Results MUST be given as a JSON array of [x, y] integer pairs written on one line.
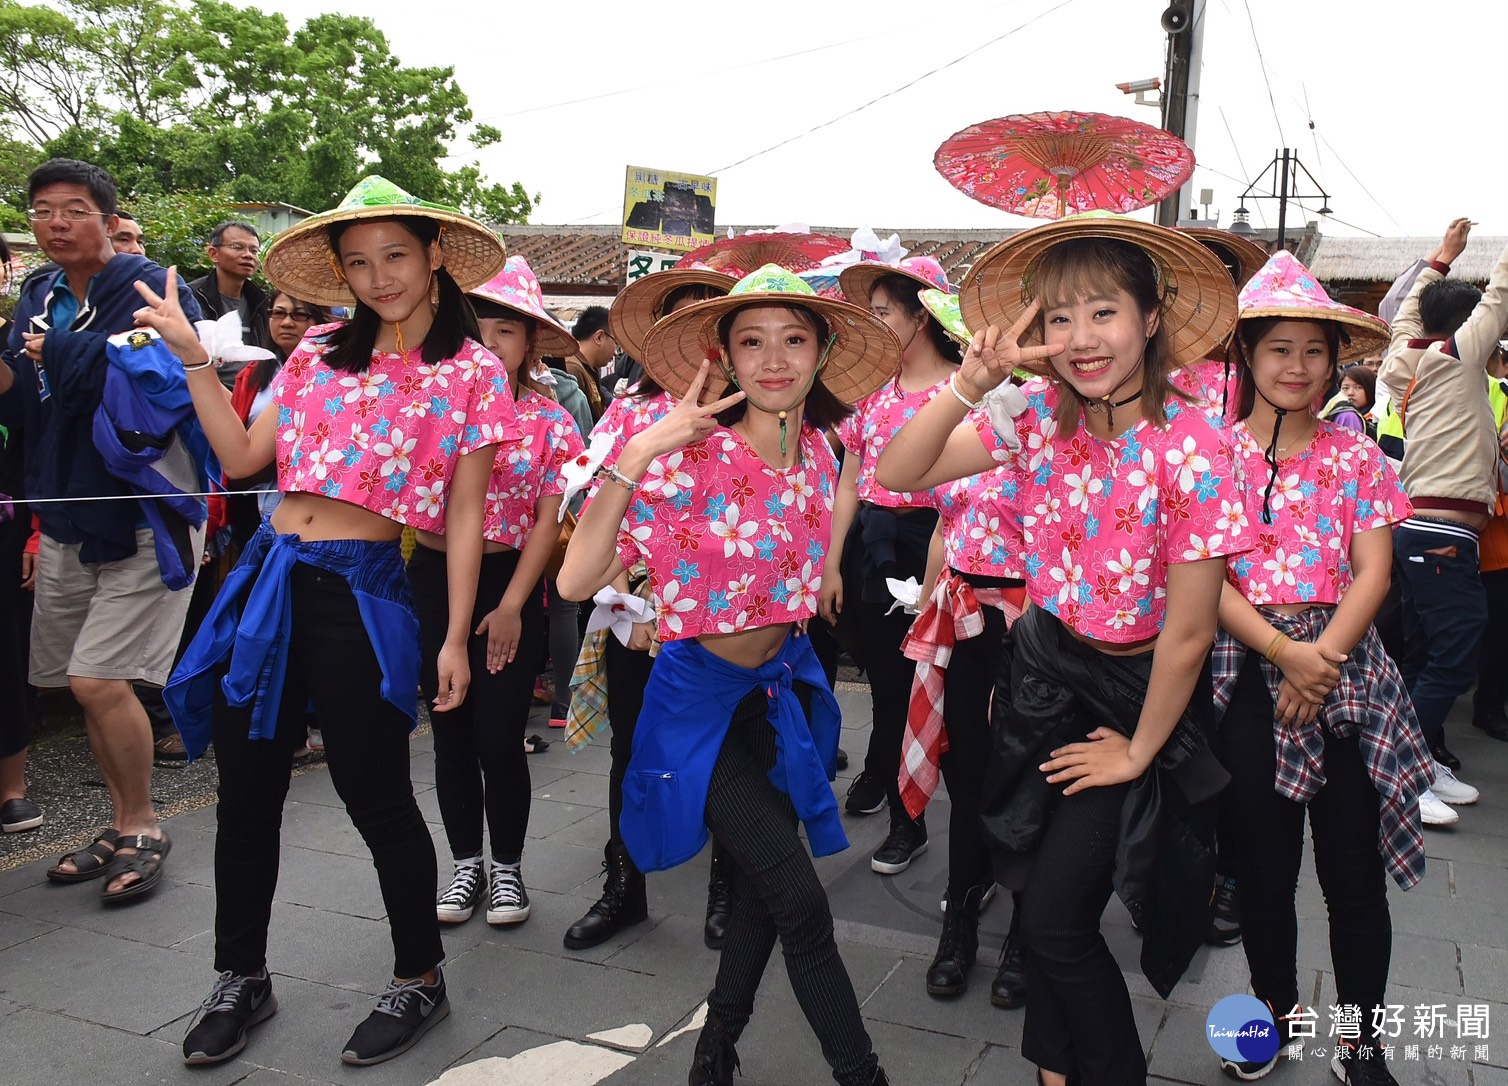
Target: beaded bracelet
[[612, 475], [953, 388]]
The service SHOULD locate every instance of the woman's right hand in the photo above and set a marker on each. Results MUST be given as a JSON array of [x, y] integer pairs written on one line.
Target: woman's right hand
[[687, 423], [994, 355], [830, 595], [1311, 669]]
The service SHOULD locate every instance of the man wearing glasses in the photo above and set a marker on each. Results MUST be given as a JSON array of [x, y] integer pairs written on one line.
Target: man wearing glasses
[[234, 250], [103, 617]]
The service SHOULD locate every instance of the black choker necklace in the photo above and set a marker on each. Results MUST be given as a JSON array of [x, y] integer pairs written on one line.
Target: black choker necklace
[[1109, 406]]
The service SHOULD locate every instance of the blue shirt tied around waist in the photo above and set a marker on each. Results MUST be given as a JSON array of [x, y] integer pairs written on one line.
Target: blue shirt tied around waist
[[688, 707], [251, 619]]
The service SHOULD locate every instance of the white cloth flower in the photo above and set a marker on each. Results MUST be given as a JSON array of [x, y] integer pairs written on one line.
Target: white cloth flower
[[867, 246], [222, 340], [907, 594], [578, 471], [1004, 403], [618, 611]]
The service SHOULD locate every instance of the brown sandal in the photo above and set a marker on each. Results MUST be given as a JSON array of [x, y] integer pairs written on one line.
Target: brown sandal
[[89, 862]]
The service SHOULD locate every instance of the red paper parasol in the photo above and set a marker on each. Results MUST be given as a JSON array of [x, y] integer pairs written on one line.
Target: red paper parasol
[[1047, 165], [745, 253]]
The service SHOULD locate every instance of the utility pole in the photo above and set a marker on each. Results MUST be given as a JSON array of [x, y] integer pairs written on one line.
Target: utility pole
[[1183, 21], [1285, 169]]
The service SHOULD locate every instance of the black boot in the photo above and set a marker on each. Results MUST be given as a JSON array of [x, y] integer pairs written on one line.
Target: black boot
[[1009, 987], [715, 1058], [623, 902], [719, 899], [949, 973]]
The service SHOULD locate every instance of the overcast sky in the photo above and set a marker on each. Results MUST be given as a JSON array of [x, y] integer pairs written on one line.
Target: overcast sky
[[1401, 95]]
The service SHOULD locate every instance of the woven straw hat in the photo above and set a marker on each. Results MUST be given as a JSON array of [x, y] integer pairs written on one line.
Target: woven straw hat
[[864, 355], [1248, 255], [1284, 288], [516, 287], [1199, 299], [299, 261], [857, 280], [637, 306]]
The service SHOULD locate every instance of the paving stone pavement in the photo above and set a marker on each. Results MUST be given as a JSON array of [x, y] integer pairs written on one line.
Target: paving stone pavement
[[95, 996]]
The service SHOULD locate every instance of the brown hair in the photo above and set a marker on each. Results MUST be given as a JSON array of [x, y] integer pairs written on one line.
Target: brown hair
[[1082, 267]]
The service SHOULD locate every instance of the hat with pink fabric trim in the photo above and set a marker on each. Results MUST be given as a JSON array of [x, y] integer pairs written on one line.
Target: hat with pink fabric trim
[[857, 280], [1284, 288], [516, 287]]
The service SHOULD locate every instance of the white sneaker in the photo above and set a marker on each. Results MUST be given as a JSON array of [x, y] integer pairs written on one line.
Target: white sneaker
[[1435, 813], [1451, 790]]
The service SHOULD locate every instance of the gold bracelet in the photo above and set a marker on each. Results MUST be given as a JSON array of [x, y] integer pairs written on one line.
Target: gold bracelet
[[613, 475]]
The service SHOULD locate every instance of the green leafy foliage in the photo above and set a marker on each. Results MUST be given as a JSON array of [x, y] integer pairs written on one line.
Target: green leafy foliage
[[230, 104]]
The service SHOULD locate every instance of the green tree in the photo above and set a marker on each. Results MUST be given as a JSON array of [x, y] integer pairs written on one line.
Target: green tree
[[206, 97]]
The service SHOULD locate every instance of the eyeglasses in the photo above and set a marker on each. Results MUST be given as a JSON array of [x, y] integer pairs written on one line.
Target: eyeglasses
[[237, 247], [67, 214], [290, 315]]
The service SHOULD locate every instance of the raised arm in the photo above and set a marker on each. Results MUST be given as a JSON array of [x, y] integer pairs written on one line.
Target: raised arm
[[1477, 339]]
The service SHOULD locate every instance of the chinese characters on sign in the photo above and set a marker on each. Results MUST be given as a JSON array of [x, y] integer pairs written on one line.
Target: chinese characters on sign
[[1434, 1033], [642, 262], [668, 210]]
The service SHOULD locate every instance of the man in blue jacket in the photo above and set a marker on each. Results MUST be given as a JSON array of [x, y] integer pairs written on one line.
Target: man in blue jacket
[[103, 616]]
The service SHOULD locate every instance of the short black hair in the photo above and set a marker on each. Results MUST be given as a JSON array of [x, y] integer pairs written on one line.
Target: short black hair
[[70, 171], [1445, 304], [217, 235], [123, 213], [593, 319]]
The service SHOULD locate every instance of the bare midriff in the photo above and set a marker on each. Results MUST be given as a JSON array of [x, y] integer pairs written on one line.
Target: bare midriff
[[315, 517], [748, 648]]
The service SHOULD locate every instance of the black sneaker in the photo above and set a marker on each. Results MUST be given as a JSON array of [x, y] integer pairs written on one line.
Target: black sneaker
[[405, 1012], [1445, 757], [1362, 1066], [233, 1006], [866, 795], [1225, 922], [19, 815], [907, 841], [460, 898]]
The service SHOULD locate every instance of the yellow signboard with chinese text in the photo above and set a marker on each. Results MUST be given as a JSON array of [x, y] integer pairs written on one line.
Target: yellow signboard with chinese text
[[665, 210]]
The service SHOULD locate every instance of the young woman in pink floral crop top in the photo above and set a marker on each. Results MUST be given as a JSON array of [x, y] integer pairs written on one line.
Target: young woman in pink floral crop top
[[730, 505], [481, 770], [1108, 709], [387, 420]]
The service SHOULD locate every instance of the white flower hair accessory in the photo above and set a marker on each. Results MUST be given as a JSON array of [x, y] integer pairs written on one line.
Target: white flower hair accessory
[[578, 471], [867, 247], [907, 594], [222, 340]]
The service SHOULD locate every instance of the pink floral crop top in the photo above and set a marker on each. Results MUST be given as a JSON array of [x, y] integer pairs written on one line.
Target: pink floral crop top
[[386, 439], [981, 534], [1102, 520], [732, 544], [528, 468], [1339, 485], [875, 420]]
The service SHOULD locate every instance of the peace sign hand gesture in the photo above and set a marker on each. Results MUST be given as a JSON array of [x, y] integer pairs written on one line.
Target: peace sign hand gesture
[[165, 316], [994, 355], [687, 423]]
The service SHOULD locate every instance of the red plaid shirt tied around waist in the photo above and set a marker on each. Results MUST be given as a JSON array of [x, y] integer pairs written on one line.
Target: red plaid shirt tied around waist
[[953, 613], [1370, 700]]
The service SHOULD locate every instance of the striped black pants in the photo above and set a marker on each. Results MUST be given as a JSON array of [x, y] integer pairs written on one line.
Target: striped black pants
[[776, 894]]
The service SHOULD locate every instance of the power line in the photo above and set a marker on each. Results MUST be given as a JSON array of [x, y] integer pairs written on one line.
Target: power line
[[1262, 63], [1360, 185], [889, 94], [1296, 202]]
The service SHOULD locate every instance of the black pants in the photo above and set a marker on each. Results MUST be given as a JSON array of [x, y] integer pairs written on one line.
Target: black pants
[[480, 764], [776, 894], [1492, 676], [1269, 845], [331, 662], [968, 684], [627, 674], [1078, 1009]]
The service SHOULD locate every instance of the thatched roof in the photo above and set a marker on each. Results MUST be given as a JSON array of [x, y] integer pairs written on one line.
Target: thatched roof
[[1381, 260]]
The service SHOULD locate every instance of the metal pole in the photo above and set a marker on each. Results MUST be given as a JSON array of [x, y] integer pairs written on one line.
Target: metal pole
[[1175, 101], [1283, 199], [1184, 196]]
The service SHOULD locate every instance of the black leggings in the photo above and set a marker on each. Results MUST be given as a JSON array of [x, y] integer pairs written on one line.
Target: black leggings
[[332, 663], [776, 893], [1269, 845], [627, 674], [968, 684], [480, 764]]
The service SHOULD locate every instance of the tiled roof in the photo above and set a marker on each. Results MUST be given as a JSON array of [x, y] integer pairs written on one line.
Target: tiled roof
[[591, 259]]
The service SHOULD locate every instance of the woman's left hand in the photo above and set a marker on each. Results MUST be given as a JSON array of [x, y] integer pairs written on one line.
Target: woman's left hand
[[455, 677], [1104, 760], [503, 627], [165, 316], [1295, 710]]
